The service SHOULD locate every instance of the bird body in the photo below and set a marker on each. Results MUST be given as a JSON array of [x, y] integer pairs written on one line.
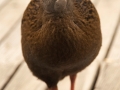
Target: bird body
[[60, 38]]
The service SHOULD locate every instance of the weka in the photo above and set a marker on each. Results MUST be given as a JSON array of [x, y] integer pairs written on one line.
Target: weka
[[60, 38]]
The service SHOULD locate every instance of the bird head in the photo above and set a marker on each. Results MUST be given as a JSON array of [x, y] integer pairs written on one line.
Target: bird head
[[56, 6]]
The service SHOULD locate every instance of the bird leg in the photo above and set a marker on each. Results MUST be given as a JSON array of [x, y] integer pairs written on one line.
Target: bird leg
[[72, 79], [53, 88]]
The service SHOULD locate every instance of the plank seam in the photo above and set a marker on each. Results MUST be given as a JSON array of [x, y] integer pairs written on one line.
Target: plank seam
[[12, 75], [106, 55], [113, 38]]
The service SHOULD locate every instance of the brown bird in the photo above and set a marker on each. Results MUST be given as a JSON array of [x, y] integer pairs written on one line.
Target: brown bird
[[60, 38]]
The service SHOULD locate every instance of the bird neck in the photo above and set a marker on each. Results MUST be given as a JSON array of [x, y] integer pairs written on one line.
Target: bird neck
[[60, 5]]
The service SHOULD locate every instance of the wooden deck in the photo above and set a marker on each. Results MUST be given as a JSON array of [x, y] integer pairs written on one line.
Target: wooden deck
[[102, 74]]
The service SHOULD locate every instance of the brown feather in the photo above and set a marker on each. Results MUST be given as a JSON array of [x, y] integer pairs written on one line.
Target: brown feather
[[60, 43]]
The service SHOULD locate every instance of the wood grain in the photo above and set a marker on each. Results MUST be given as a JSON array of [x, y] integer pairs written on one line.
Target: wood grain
[[11, 56], [10, 14], [10, 47], [109, 78]]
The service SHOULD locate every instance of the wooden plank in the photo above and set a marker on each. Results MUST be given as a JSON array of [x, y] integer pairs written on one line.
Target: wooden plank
[[10, 55], [92, 69], [109, 78], [108, 24], [10, 51], [96, 2], [10, 14], [92, 0], [2, 2], [24, 80], [114, 54]]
